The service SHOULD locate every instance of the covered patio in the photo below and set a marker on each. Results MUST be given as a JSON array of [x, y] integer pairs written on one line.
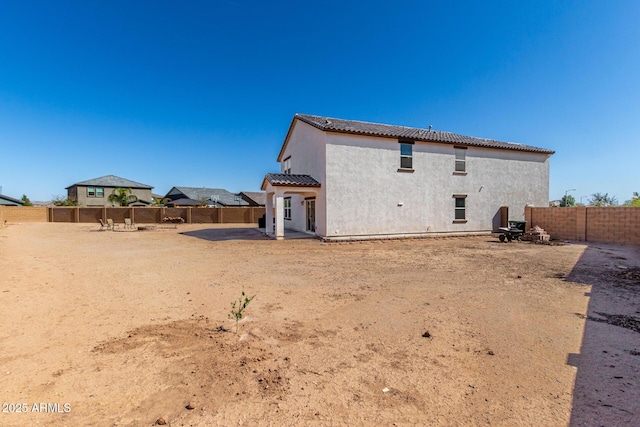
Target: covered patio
[[277, 187]]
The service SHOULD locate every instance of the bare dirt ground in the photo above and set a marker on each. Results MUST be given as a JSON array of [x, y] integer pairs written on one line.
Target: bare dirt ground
[[131, 329]]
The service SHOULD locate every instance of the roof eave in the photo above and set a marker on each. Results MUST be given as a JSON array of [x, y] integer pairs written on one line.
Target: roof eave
[[286, 138]]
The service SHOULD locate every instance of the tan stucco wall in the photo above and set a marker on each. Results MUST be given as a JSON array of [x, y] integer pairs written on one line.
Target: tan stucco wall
[[83, 200]]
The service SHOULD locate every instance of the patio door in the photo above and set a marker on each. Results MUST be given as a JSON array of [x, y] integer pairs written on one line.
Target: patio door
[[311, 215]]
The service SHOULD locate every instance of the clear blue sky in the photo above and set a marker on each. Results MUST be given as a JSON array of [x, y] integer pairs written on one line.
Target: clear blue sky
[[201, 93]]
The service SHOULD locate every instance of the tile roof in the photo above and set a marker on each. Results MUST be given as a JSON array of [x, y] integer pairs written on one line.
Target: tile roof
[[291, 180], [329, 124], [112, 181]]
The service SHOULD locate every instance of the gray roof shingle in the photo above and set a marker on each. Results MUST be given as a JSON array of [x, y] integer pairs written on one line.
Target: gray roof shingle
[[329, 124], [258, 197], [220, 195], [291, 180], [112, 181], [6, 200]]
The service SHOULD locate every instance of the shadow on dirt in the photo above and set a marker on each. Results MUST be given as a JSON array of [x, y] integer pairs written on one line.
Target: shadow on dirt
[[607, 386], [224, 234]]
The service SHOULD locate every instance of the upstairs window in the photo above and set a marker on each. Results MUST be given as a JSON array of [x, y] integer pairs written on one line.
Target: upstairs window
[[286, 166], [406, 155], [461, 158], [95, 192]]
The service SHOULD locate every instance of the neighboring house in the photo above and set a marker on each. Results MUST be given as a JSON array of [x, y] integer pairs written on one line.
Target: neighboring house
[[96, 192], [254, 198], [185, 203], [214, 197], [10, 201], [346, 179]]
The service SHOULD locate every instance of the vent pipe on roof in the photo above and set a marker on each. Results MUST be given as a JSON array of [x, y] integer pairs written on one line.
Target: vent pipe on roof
[[430, 126]]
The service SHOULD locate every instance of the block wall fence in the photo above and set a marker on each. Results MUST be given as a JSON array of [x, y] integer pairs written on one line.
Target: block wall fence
[[588, 224], [582, 224], [23, 214], [139, 215]]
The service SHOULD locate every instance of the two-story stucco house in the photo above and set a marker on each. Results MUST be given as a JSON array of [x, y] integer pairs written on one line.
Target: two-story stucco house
[[346, 179], [96, 192]]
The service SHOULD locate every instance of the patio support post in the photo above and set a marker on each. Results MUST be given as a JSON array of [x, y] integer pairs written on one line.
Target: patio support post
[[279, 215], [268, 215]]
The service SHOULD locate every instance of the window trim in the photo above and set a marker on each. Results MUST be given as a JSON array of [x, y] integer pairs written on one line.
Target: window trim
[[287, 209], [460, 150], [409, 144], [286, 166], [457, 209], [92, 191]]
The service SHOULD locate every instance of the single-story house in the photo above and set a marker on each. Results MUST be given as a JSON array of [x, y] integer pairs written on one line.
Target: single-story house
[[213, 197], [96, 192], [254, 198], [348, 179], [10, 201]]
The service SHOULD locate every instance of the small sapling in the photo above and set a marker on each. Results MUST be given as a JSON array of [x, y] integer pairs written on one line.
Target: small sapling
[[237, 308]]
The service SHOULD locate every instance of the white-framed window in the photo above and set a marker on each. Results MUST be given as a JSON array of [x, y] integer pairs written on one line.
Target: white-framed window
[[460, 213], [95, 192], [287, 208], [406, 155], [286, 166], [461, 159]]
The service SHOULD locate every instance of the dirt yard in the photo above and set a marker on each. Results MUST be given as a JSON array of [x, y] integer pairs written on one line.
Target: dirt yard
[[131, 329]]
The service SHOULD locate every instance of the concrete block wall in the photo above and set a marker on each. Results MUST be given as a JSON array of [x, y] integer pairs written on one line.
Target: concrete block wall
[[592, 224], [154, 215], [618, 225], [560, 223], [24, 214]]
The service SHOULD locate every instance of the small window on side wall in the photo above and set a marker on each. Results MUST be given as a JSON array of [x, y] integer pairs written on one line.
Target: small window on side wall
[[91, 192], [406, 155], [461, 160], [460, 214], [99, 192], [286, 166]]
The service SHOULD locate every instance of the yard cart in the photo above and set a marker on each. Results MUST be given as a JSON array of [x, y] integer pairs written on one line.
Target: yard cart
[[514, 231]]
